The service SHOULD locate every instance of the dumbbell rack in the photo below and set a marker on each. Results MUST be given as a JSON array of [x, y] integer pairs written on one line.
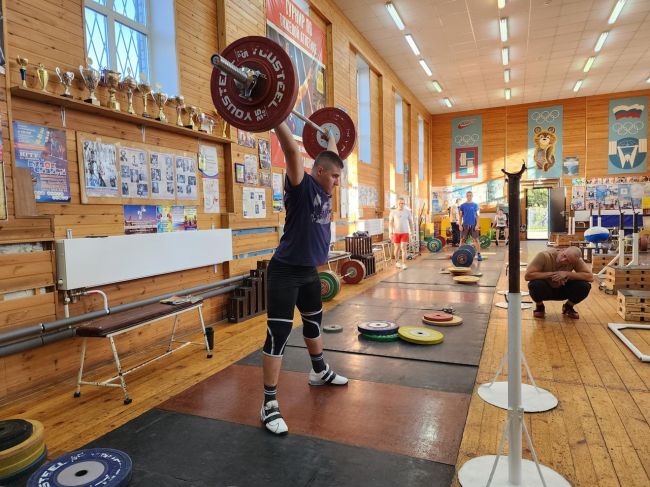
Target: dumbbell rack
[[249, 299], [360, 248]]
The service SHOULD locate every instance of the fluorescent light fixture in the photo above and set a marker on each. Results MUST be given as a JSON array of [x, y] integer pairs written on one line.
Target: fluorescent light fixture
[[588, 64], [507, 93], [505, 55], [447, 102], [648, 80], [601, 41], [616, 12], [506, 75], [578, 85], [425, 66], [501, 3], [395, 16], [414, 46], [436, 86], [503, 29]]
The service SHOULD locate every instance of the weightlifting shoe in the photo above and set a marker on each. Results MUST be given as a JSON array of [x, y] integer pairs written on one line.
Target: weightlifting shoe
[[272, 418], [326, 377], [540, 311], [479, 258], [569, 311]]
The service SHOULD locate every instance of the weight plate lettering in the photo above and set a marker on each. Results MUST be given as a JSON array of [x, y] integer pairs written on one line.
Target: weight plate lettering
[[381, 338], [377, 327], [462, 258], [455, 321], [336, 121], [272, 98], [353, 271], [484, 241], [420, 335], [13, 432], [333, 328], [94, 467], [438, 316], [466, 279], [330, 285]]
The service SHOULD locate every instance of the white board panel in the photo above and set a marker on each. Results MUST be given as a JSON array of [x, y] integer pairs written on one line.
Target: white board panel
[[89, 262], [374, 226]]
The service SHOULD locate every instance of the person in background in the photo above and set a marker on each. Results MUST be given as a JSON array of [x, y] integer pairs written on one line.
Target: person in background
[[400, 225], [469, 211], [454, 219], [501, 224]]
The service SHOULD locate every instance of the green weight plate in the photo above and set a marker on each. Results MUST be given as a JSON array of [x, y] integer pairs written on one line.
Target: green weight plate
[[484, 241], [434, 245], [420, 335], [329, 285], [381, 338]]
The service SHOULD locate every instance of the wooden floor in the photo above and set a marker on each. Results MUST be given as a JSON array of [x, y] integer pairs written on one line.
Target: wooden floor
[[599, 435]]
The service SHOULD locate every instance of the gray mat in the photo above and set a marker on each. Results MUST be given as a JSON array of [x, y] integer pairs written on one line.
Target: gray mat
[[431, 275]]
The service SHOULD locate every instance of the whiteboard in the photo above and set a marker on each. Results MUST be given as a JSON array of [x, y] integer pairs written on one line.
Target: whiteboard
[[88, 262], [374, 226]]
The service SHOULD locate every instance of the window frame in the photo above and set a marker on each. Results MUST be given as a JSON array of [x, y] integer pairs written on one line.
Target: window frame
[[421, 148], [399, 134], [364, 123]]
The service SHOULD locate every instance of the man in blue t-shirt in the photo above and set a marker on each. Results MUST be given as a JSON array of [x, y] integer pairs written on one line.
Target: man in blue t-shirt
[[292, 277], [469, 212]]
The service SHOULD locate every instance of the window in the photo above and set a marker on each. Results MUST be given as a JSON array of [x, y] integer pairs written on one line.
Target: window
[[127, 36], [399, 135], [363, 110], [421, 147]]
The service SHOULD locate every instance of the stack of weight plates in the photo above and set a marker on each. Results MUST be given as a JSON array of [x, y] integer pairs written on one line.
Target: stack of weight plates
[[379, 331], [459, 270], [439, 318], [85, 468], [330, 285], [420, 335], [22, 449]]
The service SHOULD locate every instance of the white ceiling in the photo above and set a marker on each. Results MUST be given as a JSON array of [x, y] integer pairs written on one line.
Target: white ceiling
[[549, 40]]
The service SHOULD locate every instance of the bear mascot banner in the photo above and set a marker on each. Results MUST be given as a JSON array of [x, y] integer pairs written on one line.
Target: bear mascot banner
[[545, 142]]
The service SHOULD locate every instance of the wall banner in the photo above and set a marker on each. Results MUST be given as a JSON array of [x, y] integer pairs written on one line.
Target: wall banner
[[628, 135], [467, 149], [545, 128]]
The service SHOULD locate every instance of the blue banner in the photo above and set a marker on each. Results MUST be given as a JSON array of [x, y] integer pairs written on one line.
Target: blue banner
[[545, 142], [467, 149], [628, 135]]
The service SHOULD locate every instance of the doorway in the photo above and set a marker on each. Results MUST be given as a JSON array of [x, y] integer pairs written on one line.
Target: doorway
[[537, 209]]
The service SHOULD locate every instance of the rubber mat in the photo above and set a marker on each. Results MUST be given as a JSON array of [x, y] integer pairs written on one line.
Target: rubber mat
[[430, 275], [410, 373], [433, 297], [170, 449]]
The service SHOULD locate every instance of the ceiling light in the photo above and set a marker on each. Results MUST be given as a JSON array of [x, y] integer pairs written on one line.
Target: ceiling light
[[396, 18], [447, 102], [501, 3], [578, 85], [436, 86], [648, 80], [617, 10], [506, 75], [425, 66], [503, 29], [588, 64], [601, 41], [505, 55], [507, 92], [411, 41]]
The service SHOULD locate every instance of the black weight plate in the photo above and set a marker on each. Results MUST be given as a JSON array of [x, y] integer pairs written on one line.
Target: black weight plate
[[377, 327], [13, 432]]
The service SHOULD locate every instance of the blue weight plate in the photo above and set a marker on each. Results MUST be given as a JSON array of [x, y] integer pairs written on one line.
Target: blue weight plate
[[94, 467], [377, 327], [462, 258], [468, 247]]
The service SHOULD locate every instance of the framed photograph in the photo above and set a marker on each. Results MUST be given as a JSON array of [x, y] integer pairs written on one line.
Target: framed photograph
[[239, 173]]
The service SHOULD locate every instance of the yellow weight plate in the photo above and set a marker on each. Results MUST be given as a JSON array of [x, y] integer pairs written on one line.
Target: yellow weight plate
[[10, 469], [26, 448], [455, 321], [459, 270], [420, 335], [467, 279]]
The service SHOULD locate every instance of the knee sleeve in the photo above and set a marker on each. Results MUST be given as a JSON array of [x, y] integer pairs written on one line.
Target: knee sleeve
[[311, 321], [277, 334]]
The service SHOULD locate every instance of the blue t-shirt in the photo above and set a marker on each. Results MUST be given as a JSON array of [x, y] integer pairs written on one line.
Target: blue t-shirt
[[469, 211], [306, 238]]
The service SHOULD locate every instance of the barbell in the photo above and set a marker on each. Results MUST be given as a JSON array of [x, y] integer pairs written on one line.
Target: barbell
[[352, 272], [254, 88]]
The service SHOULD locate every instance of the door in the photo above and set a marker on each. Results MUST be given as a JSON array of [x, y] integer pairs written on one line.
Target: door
[[557, 210], [537, 209]]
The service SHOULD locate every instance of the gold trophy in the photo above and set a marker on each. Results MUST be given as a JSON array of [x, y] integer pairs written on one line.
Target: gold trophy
[[112, 81], [66, 79], [161, 99], [131, 85], [145, 89], [224, 129], [202, 119], [22, 62], [43, 76], [180, 105], [90, 76], [209, 124], [192, 112]]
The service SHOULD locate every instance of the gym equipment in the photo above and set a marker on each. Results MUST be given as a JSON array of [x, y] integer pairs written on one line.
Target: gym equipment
[[104, 467], [637, 222], [381, 338], [20, 475], [254, 88], [484, 241], [438, 316], [25, 448], [443, 240], [332, 328], [13, 432], [377, 328], [330, 285], [454, 321], [467, 279], [434, 245], [463, 256], [353, 271], [458, 270], [596, 234], [420, 335]]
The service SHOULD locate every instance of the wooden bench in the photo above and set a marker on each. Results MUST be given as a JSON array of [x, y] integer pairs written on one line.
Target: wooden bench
[[114, 325]]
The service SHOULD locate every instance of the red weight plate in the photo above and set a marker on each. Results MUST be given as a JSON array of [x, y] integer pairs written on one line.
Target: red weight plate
[[438, 316], [353, 271], [274, 96], [443, 240], [643, 243], [335, 120]]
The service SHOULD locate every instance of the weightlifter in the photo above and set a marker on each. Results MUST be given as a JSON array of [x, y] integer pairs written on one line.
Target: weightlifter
[[469, 211], [292, 278]]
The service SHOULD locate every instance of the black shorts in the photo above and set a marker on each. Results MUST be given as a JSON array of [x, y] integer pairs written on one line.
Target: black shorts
[[469, 231]]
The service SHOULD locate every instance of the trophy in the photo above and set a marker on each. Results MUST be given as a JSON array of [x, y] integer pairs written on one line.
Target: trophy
[[130, 84], [22, 62], [145, 89], [202, 119], [192, 111], [43, 76], [161, 99], [90, 76], [112, 79], [66, 80], [180, 105], [224, 129], [209, 124]]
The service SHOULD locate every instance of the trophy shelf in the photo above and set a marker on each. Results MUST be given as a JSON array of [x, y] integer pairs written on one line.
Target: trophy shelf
[[82, 106]]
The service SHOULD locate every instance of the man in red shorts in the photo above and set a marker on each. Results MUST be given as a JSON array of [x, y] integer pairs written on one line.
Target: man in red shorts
[[400, 225]]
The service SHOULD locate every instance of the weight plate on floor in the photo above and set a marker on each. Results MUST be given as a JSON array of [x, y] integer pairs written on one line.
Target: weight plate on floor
[[338, 123], [21, 474], [467, 279], [434, 245], [438, 316], [272, 98], [462, 258], [13, 432], [332, 328], [420, 335], [377, 327], [22, 463], [443, 240], [330, 285], [484, 241], [455, 321], [468, 247], [27, 447], [353, 271], [94, 467], [381, 338], [459, 270]]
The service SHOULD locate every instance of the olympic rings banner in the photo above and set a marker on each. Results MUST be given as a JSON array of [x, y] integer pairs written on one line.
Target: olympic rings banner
[[467, 149], [628, 135], [545, 142]]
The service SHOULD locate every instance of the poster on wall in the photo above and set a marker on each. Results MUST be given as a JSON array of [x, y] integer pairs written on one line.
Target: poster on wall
[[134, 173], [140, 219], [208, 161], [438, 200], [466, 149], [178, 218], [254, 202], [246, 139], [545, 127], [578, 197], [264, 147], [628, 135], [495, 191], [277, 192], [368, 196], [161, 166], [43, 151], [570, 166], [164, 219], [250, 169], [189, 218], [211, 196], [305, 42], [100, 168], [186, 178]]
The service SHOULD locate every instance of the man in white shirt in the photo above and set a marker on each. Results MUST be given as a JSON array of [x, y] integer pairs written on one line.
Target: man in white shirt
[[454, 218], [400, 225]]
